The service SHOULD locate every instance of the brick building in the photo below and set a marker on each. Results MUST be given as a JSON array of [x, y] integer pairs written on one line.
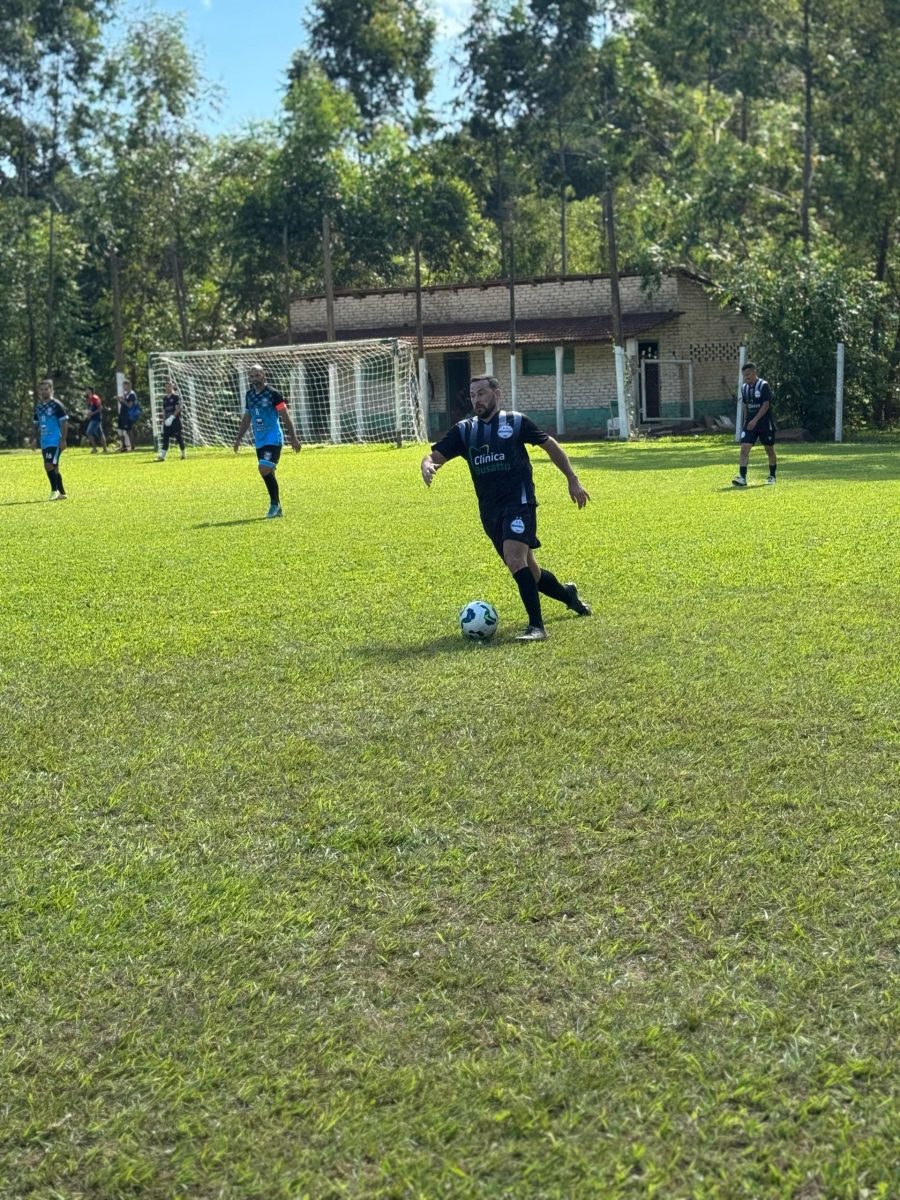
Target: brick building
[[565, 373]]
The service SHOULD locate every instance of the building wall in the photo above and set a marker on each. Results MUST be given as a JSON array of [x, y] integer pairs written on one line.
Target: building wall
[[706, 334], [483, 302]]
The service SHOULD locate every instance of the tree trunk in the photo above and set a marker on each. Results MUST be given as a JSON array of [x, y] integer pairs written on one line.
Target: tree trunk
[[807, 127], [287, 280], [329, 279], [117, 313], [615, 298]]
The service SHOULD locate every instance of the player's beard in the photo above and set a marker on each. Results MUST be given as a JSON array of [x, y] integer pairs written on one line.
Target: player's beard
[[487, 414]]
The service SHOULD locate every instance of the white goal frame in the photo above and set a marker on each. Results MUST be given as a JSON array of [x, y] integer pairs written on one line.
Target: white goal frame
[[337, 392]]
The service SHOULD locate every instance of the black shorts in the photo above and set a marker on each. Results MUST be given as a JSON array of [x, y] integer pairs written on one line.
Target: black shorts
[[268, 456], [517, 524], [764, 433], [50, 455]]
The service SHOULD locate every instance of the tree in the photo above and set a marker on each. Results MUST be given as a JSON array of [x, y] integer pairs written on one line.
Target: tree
[[380, 50]]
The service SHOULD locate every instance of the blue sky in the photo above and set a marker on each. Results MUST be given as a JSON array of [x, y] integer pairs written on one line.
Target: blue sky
[[244, 48]]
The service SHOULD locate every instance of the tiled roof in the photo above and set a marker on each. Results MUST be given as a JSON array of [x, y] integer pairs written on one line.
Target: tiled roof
[[542, 330]]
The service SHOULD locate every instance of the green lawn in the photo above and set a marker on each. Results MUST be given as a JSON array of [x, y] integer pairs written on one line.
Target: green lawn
[[301, 895]]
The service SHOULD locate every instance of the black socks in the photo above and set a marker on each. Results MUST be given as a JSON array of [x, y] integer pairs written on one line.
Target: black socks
[[271, 486], [528, 590], [550, 586]]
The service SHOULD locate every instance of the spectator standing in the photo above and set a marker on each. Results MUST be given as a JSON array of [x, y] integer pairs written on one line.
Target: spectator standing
[[94, 431]]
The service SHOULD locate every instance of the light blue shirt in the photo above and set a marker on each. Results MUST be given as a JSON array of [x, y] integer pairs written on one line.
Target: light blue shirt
[[48, 417], [262, 407]]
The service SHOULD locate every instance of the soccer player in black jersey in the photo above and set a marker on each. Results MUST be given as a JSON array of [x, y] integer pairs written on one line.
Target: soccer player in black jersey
[[759, 422], [493, 442]]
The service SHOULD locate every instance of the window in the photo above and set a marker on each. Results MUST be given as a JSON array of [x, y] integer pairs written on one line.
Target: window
[[541, 360]]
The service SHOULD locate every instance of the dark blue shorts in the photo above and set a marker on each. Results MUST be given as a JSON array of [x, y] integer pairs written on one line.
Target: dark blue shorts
[[516, 524], [268, 456], [764, 433], [94, 429], [50, 455]]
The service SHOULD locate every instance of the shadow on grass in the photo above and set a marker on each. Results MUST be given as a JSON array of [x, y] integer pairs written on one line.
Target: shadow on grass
[[390, 652], [15, 503], [226, 524], [456, 643], [802, 460]]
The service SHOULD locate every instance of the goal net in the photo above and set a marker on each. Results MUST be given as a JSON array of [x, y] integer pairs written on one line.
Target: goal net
[[363, 391]]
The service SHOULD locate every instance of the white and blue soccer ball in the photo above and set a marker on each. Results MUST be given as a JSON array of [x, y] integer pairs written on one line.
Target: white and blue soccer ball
[[478, 620]]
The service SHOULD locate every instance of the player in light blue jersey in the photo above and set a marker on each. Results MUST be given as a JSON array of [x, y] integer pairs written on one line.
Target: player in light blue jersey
[[51, 429], [266, 409]]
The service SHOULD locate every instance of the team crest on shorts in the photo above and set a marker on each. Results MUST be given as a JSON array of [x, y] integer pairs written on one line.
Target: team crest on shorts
[[517, 525]]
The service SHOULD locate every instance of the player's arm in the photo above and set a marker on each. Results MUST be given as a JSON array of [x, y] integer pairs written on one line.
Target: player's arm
[[242, 429], [560, 459], [284, 414], [63, 432], [430, 464], [450, 446]]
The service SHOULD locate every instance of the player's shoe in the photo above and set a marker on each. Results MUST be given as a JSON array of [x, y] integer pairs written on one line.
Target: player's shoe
[[53, 496], [274, 511], [771, 479], [183, 455], [739, 481], [532, 633], [575, 602]]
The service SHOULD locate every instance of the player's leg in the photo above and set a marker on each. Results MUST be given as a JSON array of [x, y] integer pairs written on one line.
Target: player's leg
[[549, 585], [165, 443], [770, 454], [60, 486], [515, 555], [268, 462], [51, 466], [50, 469], [747, 440], [180, 434]]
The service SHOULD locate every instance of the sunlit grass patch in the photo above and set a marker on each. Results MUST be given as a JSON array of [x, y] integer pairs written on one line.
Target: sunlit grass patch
[[303, 894]]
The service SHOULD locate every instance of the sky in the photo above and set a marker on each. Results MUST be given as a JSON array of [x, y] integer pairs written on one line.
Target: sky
[[244, 48]]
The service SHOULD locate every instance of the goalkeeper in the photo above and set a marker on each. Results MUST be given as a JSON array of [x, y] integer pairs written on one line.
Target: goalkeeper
[[172, 430], [266, 408]]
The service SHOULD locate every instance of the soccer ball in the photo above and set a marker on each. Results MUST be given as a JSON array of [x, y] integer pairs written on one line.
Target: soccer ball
[[478, 620]]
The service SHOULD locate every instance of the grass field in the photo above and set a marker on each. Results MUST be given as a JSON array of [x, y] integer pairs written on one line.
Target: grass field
[[301, 895]]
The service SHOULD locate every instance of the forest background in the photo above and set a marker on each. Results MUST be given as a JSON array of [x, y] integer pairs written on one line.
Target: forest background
[[753, 142]]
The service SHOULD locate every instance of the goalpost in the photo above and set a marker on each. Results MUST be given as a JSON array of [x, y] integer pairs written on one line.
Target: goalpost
[[363, 391]]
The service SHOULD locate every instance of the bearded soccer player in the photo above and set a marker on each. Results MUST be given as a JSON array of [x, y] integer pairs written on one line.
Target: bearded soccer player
[[51, 426], [266, 409], [494, 441]]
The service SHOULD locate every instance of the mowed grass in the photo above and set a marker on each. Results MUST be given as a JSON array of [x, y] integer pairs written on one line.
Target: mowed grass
[[301, 895]]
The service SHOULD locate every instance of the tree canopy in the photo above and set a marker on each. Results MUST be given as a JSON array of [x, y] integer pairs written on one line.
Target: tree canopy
[[755, 143]]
